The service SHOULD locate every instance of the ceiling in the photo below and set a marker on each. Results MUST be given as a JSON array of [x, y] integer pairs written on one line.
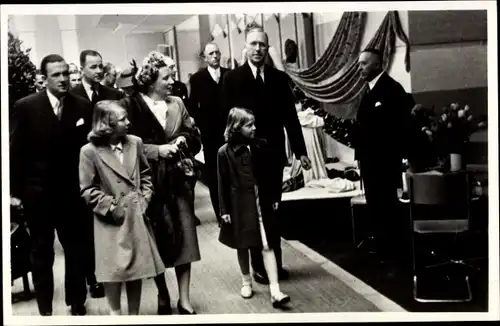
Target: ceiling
[[141, 23]]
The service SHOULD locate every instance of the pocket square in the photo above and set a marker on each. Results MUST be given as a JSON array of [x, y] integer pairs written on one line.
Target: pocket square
[[378, 104], [79, 122]]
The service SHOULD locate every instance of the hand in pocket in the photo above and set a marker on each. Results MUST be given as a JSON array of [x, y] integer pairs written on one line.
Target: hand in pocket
[[118, 213]]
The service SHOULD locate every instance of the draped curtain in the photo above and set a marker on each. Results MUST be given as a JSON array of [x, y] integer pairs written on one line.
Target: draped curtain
[[334, 79]]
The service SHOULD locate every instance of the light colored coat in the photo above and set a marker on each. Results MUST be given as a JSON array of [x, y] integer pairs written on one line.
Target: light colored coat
[[124, 247]]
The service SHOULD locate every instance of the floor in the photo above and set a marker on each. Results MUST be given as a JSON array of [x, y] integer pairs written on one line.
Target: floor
[[316, 284], [330, 234]]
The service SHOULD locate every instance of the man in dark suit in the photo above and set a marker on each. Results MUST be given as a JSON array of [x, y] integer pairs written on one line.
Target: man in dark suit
[[207, 111], [382, 131], [91, 88], [266, 92], [93, 91], [46, 133]]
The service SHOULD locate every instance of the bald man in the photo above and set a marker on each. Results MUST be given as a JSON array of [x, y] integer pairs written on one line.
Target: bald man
[[206, 109]]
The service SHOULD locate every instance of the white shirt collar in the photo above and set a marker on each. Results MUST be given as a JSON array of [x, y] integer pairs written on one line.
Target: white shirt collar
[[150, 102], [374, 81], [214, 72], [254, 70], [159, 109], [119, 146], [54, 101], [88, 88]]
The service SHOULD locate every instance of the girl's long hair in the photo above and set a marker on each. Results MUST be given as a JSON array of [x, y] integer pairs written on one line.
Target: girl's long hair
[[236, 119], [103, 121]]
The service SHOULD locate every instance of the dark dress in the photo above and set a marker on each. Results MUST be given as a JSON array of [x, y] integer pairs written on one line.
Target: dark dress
[[239, 171]]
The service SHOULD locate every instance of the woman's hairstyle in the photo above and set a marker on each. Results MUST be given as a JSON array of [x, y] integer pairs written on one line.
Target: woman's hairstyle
[[147, 74], [103, 121], [236, 119]]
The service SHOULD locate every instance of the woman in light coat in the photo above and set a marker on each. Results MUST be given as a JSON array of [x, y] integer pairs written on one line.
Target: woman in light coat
[[115, 181]]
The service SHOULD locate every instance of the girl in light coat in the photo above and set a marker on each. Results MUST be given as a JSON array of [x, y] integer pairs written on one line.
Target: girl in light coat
[[115, 182]]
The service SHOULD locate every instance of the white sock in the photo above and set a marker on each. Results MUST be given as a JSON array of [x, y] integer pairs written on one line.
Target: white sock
[[275, 289], [115, 312], [246, 279]]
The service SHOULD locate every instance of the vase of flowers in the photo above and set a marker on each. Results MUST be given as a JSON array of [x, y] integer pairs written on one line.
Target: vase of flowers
[[452, 129], [448, 132]]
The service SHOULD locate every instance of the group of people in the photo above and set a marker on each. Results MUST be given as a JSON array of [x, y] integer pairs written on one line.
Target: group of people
[[118, 165]]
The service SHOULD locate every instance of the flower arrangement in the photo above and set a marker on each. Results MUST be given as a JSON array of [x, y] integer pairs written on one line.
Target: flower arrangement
[[454, 126], [440, 134]]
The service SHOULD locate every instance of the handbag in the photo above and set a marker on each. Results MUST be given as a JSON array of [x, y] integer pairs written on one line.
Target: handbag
[[185, 165]]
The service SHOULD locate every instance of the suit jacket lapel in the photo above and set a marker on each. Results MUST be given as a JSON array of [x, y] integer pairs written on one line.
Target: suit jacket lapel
[[129, 156], [172, 118], [110, 159], [80, 91]]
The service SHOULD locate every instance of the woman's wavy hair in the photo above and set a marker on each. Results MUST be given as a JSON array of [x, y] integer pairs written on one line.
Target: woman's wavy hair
[[147, 74], [236, 119], [104, 121]]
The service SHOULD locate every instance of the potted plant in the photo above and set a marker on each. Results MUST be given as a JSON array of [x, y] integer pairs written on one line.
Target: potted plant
[[21, 71]]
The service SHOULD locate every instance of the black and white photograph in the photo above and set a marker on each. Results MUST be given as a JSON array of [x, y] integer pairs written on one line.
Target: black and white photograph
[[249, 162]]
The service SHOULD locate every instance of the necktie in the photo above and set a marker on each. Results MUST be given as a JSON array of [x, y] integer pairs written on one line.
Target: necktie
[[94, 95], [258, 78], [58, 109], [216, 77]]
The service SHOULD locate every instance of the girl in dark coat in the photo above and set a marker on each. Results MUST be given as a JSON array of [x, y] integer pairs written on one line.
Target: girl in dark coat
[[247, 209]]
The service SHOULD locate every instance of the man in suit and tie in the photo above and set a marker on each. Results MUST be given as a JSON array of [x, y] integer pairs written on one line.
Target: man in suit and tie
[[47, 131], [206, 109], [382, 131], [93, 91], [266, 92], [91, 88]]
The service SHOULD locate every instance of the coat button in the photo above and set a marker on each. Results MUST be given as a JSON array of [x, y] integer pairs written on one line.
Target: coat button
[[119, 181], [123, 194]]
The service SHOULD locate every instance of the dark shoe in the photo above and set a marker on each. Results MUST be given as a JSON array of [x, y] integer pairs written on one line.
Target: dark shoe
[[283, 274], [260, 278], [45, 313], [78, 310], [183, 311], [96, 290], [164, 307]]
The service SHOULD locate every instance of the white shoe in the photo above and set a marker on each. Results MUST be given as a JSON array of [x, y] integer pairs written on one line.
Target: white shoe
[[246, 291], [279, 300]]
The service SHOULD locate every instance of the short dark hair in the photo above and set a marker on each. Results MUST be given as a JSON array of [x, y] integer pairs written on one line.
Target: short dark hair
[[107, 67], [85, 53], [49, 59], [375, 51]]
